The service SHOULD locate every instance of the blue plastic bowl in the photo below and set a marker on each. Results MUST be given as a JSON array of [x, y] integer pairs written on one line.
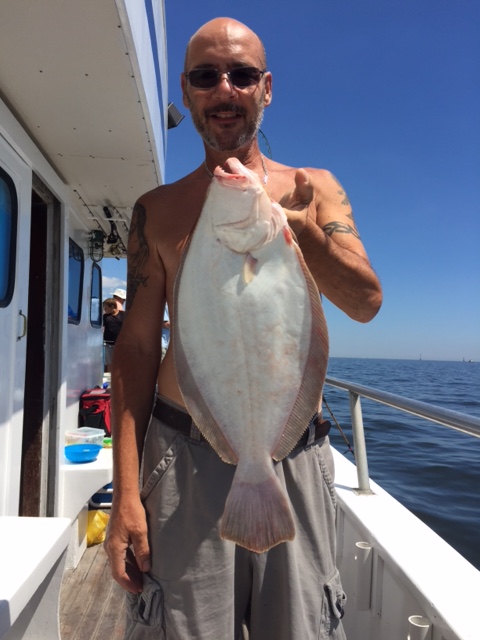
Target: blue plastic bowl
[[82, 452]]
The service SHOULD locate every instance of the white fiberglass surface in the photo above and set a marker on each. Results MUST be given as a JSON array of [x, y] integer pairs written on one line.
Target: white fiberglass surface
[[413, 570]]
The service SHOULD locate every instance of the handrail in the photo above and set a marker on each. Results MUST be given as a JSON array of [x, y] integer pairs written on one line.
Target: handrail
[[446, 417]]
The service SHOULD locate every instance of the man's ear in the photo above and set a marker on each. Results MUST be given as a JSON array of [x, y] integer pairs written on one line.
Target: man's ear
[[268, 88]]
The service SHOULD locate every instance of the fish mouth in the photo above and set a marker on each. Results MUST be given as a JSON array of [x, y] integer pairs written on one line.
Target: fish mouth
[[234, 175], [228, 177]]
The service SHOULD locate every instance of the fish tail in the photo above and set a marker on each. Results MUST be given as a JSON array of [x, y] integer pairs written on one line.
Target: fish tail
[[257, 516]]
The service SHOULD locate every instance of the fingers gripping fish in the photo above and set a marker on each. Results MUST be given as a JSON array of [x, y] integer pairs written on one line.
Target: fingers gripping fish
[[250, 346]]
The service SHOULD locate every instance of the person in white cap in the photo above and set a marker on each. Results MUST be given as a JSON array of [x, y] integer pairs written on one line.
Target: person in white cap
[[120, 295]]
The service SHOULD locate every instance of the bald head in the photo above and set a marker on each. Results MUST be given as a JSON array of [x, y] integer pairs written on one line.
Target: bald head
[[225, 33]]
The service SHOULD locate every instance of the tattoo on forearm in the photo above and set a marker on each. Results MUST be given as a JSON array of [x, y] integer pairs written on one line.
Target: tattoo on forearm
[[340, 227], [137, 259]]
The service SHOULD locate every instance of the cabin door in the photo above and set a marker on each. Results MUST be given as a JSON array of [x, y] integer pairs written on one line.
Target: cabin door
[[15, 207], [39, 467]]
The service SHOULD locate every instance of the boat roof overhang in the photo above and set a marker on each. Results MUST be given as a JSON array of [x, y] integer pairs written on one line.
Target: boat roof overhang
[[87, 81]]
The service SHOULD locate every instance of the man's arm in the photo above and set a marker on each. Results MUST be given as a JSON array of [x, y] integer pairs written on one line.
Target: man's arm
[[134, 372], [320, 215]]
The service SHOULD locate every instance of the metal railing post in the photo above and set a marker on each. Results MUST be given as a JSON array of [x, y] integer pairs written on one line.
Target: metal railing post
[[359, 443]]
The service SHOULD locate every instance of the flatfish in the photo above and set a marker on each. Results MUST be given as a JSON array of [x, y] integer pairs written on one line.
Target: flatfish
[[251, 347]]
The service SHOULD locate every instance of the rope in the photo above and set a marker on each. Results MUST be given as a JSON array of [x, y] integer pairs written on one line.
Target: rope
[[349, 446]]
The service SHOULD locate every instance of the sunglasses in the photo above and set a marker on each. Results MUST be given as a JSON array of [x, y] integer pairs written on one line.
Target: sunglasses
[[241, 77]]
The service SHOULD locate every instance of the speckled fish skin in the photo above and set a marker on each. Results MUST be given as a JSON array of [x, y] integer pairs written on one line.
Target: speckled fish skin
[[250, 346]]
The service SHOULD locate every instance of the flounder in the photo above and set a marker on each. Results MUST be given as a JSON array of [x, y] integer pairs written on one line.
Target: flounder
[[250, 347]]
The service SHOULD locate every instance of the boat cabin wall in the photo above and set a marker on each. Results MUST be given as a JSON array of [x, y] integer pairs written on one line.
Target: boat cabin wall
[[51, 337]]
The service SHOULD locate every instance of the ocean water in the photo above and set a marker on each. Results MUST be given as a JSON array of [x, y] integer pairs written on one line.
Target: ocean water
[[433, 470]]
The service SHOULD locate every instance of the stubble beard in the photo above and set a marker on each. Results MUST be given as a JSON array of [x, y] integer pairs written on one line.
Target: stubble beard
[[229, 141]]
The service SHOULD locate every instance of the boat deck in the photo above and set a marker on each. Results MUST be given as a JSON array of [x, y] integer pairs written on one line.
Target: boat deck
[[92, 605]]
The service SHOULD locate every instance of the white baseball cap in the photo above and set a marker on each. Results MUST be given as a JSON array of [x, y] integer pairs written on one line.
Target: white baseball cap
[[120, 293]]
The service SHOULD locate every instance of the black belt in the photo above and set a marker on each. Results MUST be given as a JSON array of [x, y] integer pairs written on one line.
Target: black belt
[[180, 420]]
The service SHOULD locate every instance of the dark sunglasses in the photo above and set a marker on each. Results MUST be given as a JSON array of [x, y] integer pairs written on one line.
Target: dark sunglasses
[[241, 77]]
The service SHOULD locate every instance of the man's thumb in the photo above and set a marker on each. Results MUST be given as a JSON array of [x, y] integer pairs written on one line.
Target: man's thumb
[[303, 186]]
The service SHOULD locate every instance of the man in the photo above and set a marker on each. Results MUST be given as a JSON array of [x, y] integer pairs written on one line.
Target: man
[[196, 585], [112, 324], [120, 295]]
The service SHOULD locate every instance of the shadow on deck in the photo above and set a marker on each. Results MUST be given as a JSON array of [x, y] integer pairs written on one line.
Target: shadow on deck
[[92, 605]]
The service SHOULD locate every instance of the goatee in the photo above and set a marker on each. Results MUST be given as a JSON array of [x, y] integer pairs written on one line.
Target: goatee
[[229, 140]]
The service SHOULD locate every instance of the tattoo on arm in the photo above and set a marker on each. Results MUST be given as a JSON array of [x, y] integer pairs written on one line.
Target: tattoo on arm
[[350, 215], [340, 227], [137, 259], [341, 192], [345, 201]]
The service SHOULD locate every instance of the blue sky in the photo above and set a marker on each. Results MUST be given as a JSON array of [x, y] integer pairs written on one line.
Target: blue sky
[[385, 94]]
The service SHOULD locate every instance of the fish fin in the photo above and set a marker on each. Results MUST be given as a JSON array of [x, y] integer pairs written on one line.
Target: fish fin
[[212, 433], [310, 390], [249, 268], [257, 516]]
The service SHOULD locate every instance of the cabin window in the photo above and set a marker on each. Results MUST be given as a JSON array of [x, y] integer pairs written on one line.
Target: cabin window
[[76, 263], [96, 317], [8, 237]]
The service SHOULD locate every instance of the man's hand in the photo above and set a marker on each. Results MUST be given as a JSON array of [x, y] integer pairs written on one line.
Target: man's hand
[[128, 527], [299, 203]]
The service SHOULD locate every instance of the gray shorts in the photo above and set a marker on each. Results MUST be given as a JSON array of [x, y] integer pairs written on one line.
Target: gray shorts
[[206, 588]]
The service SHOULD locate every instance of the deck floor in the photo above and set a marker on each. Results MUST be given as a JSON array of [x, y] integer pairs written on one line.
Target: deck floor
[[92, 605]]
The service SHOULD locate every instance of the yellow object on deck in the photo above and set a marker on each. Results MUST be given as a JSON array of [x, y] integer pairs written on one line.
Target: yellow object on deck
[[97, 526]]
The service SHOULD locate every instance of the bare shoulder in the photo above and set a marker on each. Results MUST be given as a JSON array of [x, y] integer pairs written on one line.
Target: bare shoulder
[[172, 208], [162, 221], [160, 198], [329, 184]]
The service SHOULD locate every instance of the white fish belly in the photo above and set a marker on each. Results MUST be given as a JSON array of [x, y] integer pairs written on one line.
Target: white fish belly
[[244, 348]]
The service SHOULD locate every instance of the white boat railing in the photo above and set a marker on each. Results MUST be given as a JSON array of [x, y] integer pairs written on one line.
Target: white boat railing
[[446, 417]]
